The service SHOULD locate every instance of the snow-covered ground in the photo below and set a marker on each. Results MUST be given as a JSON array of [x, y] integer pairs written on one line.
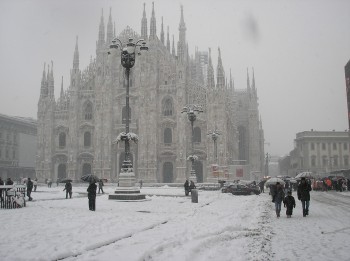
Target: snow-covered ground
[[167, 226]]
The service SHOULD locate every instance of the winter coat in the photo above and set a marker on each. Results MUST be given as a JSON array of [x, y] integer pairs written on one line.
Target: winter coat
[[304, 191], [92, 190], [289, 201], [278, 195], [29, 185], [9, 182], [100, 184], [187, 185], [68, 187]]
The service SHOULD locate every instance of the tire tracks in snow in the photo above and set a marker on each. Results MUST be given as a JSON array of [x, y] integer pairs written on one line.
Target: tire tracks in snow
[[99, 245]]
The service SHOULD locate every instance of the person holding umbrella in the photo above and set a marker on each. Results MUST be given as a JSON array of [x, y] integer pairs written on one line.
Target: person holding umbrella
[[92, 195], [277, 198], [304, 189], [29, 189], [68, 189]]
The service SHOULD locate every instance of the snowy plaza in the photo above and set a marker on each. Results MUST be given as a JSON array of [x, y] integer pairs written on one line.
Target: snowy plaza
[[167, 226]]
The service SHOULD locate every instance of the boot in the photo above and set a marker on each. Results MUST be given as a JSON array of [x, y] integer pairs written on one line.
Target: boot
[[304, 213]]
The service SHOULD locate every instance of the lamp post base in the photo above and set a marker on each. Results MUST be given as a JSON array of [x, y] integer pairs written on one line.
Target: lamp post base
[[126, 191], [193, 176]]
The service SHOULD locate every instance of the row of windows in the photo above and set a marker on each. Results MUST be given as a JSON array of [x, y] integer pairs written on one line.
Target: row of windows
[[168, 137], [8, 137], [324, 146], [330, 162], [62, 139], [7, 154], [167, 110]]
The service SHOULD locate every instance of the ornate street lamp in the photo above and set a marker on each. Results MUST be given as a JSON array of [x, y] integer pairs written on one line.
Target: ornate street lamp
[[128, 57], [192, 110], [214, 136]]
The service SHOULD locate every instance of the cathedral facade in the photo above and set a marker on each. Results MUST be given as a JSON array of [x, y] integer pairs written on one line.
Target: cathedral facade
[[77, 133]]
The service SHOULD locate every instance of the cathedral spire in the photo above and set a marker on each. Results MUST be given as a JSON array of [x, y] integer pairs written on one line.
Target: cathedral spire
[[109, 28], [167, 40], [51, 82], [62, 93], [210, 73], [144, 29], [153, 27], [253, 83], [114, 35], [181, 46], [76, 56], [248, 81], [220, 75], [101, 32], [162, 33], [43, 89], [173, 49]]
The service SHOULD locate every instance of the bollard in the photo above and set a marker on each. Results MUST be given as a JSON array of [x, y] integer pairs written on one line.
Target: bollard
[[194, 195]]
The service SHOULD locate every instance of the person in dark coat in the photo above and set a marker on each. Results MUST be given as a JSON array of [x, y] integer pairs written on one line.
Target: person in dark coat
[[100, 186], [289, 203], [304, 189], [277, 198], [192, 186], [9, 181], [92, 195], [68, 188], [29, 189], [262, 185], [187, 187], [1, 184]]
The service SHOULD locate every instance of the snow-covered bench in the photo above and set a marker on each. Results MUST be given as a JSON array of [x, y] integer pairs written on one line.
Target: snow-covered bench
[[12, 196]]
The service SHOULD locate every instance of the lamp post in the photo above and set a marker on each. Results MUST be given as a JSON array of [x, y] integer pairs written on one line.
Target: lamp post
[[214, 136], [192, 110], [128, 57]]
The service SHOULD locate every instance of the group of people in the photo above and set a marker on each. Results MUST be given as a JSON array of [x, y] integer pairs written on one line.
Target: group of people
[[278, 197], [189, 185]]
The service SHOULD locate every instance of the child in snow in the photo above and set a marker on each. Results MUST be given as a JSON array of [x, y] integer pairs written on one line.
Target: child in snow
[[289, 202]]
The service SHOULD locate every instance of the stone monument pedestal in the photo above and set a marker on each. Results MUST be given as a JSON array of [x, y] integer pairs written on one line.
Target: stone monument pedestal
[[127, 190]]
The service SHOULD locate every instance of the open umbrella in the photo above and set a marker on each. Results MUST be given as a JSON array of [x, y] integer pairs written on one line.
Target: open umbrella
[[90, 178], [304, 175], [66, 180], [273, 181]]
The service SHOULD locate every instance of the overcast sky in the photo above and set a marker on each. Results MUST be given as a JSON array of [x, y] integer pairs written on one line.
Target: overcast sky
[[298, 50]]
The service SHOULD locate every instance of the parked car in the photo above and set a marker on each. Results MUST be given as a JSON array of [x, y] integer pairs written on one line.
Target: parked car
[[239, 189]]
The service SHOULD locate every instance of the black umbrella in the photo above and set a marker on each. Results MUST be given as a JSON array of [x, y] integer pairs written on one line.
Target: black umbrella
[[90, 178], [66, 180]]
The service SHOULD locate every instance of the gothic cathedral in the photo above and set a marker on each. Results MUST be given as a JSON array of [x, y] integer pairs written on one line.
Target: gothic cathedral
[[77, 132]]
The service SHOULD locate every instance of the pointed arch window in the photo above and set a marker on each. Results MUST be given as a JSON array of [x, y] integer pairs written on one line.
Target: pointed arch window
[[87, 111], [62, 140], [168, 136], [197, 134], [168, 107], [87, 139], [124, 115]]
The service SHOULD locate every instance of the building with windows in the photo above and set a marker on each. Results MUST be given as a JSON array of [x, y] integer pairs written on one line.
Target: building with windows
[[17, 147], [319, 152], [77, 132]]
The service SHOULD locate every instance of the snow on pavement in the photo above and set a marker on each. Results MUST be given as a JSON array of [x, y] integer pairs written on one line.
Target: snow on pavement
[[220, 227]]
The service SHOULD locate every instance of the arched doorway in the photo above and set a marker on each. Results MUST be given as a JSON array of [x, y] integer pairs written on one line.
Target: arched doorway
[[198, 166], [168, 172], [86, 169], [62, 171]]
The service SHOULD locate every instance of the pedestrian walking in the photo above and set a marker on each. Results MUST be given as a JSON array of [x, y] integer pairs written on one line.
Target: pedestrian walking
[[29, 189], [304, 189], [277, 198], [35, 184], [192, 186], [289, 203], [92, 195], [100, 186], [1, 184], [49, 183], [68, 189], [187, 187]]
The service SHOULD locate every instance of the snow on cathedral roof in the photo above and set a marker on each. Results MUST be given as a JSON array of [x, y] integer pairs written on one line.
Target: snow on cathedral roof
[[127, 33]]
